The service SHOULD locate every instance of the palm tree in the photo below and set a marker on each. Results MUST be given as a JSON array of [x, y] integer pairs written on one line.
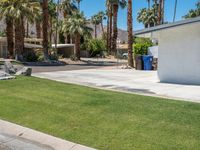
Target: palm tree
[[78, 2], [102, 16], [38, 21], [52, 9], [19, 11], [45, 24], [98, 19], [130, 34], [9, 26], [147, 17], [116, 4], [77, 26], [10, 36], [193, 12], [109, 24], [160, 10], [95, 21], [175, 7], [163, 11], [67, 6]]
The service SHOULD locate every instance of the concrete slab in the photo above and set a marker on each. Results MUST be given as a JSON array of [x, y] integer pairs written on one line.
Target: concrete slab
[[132, 81], [15, 137]]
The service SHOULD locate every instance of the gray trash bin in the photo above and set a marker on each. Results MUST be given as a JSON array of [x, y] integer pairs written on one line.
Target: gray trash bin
[[138, 62]]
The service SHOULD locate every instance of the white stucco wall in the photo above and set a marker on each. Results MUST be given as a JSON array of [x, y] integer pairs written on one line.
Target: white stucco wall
[[153, 51], [179, 54]]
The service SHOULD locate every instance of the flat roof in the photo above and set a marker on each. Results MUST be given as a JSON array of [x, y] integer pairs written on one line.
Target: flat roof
[[166, 26]]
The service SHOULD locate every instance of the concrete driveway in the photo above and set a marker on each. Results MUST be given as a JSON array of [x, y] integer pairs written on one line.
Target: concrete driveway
[[140, 82]]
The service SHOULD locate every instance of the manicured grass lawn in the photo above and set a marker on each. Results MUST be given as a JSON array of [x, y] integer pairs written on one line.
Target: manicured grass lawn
[[100, 119]]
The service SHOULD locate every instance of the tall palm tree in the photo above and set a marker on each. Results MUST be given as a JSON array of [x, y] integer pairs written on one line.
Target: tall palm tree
[[67, 7], [76, 25], [95, 21], [45, 25], [4, 13], [130, 33], [10, 36], [116, 4], [163, 11], [147, 17], [102, 16], [109, 24], [38, 28]]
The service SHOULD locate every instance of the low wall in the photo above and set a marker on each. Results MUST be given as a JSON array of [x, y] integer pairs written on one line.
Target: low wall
[[179, 54]]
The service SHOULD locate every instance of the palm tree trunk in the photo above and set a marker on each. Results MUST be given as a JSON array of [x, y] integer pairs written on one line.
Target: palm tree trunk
[[159, 12], [27, 29], [130, 34], [163, 11], [68, 39], [110, 27], [9, 33], [108, 33], [51, 32], [102, 28], [19, 40], [77, 46], [149, 7], [38, 30], [115, 29], [95, 31], [45, 29]]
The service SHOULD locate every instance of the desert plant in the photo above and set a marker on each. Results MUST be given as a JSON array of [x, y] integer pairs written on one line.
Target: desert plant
[[96, 46]]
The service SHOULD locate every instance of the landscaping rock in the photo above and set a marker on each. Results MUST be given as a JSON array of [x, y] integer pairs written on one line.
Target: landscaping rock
[[26, 71], [9, 68], [126, 67], [5, 76]]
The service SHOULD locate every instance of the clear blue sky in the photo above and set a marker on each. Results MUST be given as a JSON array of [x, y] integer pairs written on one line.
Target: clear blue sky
[[90, 7]]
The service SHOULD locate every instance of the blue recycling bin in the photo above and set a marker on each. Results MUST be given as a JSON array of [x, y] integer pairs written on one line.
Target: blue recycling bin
[[147, 62]]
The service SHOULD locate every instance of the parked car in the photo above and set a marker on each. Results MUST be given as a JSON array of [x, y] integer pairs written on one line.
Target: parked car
[[125, 55]]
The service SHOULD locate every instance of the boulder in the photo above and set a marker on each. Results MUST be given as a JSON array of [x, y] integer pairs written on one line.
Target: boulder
[[5, 76], [26, 71], [9, 68]]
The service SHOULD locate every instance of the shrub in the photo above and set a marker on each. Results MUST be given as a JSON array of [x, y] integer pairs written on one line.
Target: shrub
[[140, 40], [31, 56], [142, 45], [96, 46]]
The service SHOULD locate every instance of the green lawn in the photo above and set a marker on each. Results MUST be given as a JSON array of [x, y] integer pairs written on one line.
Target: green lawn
[[100, 119]]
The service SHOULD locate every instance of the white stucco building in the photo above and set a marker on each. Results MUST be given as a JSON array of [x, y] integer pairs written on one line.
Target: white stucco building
[[178, 50]]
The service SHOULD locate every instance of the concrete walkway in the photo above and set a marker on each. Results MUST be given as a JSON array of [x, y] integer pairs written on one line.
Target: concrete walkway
[[141, 82], [15, 137]]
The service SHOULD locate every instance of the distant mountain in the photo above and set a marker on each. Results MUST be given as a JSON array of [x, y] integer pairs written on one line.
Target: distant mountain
[[123, 35]]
